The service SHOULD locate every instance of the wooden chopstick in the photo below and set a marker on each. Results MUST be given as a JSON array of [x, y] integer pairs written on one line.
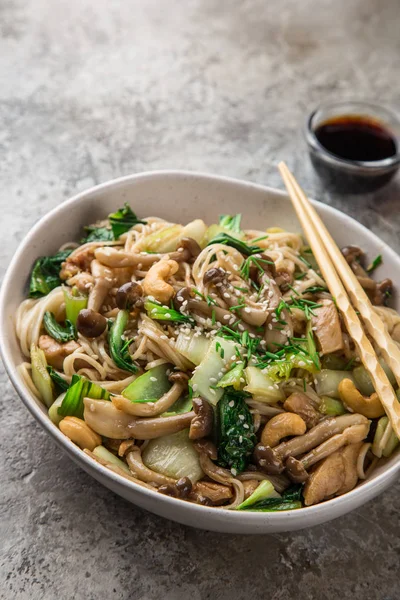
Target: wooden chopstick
[[374, 324], [354, 327]]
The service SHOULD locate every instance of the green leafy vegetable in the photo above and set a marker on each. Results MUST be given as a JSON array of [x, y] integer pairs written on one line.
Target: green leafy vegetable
[[74, 303], [56, 331], [109, 457], [97, 234], [375, 263], [236, 437], [150, 386], [263, 491], [123, 220], [228, 240], [233, 378], [301, 353], [173, 456], [330, 406], [255, 261], [291, 500], [231, 222], [164, 313], [61, 384], [80, 388], [119, 348], [53, 410], [45, 274], [40, 376], [182, 405]]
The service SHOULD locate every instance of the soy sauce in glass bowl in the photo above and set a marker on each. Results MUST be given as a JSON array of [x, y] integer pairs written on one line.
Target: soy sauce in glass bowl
[[354, 146]]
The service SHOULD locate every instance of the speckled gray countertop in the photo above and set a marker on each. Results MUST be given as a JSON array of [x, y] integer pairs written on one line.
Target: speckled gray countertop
[[94, 89]]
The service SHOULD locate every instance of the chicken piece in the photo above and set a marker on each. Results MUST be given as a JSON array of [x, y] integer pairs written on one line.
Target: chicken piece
[[77, 262], [56, 352], [301, 404], [82, 281], [326, 326], [215, 493]]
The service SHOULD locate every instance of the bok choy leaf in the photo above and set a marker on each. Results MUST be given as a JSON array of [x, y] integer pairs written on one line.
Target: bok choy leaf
[[123, 220], [40, 376], [119, 348], [45, 274], [236, 437], [74, 303], [61, 384], [56, 331], [80, 388], [163, 313]]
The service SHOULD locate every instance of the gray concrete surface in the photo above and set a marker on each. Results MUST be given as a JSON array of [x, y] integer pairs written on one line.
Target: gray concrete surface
[[91, 90]]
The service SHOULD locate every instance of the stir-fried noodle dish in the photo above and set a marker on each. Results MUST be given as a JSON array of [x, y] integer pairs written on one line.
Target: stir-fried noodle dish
[[207, 363]]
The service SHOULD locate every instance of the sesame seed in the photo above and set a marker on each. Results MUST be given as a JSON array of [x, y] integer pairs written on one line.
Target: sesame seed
[[168, 315], [194, 387], [153, 378], [212, 391], [242, 417], [245, 426], [226, 295], [227, 317], [240, 439], [270, 326], [247, 309], [234, 471], [302, 363], [231, 404]]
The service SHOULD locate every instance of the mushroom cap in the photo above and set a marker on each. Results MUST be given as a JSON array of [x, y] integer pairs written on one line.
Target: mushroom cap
[[214, 275]]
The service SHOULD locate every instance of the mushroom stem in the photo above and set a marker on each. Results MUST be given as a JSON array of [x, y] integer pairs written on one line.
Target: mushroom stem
[[149, 409], [318, 434], [251, 313], [110, 257], [139, 469], [104, 418], [351, 435]]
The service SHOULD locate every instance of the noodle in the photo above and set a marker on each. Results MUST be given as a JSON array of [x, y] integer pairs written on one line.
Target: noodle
[[180, 340]]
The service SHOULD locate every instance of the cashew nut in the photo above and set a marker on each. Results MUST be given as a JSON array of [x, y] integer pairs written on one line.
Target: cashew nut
[[79, 433], [281, 426], [370, 407], [155, 284]]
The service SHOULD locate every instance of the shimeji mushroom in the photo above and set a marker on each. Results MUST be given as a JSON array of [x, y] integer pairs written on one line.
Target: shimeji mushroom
[[107, 420], [179, 382], [302, 405], [271, 460], [253, 314], [185, 303]]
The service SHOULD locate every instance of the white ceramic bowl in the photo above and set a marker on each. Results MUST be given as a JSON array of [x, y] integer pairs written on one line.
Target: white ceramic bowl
[[180, 197]]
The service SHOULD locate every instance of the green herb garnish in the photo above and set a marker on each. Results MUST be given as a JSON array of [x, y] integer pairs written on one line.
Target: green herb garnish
[[375, 263]]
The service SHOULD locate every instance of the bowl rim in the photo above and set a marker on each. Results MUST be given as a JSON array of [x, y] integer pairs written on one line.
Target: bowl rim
[[358, 166], [80, 457]]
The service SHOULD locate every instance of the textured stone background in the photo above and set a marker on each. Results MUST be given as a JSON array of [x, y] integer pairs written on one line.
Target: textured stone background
[[91, 90]]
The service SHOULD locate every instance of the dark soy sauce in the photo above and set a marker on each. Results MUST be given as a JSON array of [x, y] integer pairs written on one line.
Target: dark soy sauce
[[357, 138]]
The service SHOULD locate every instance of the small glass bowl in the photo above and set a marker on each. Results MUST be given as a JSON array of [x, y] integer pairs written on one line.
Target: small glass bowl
[[352, 176]]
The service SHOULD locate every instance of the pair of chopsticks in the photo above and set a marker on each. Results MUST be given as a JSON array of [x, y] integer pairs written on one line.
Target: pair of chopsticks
[[339, 277]]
